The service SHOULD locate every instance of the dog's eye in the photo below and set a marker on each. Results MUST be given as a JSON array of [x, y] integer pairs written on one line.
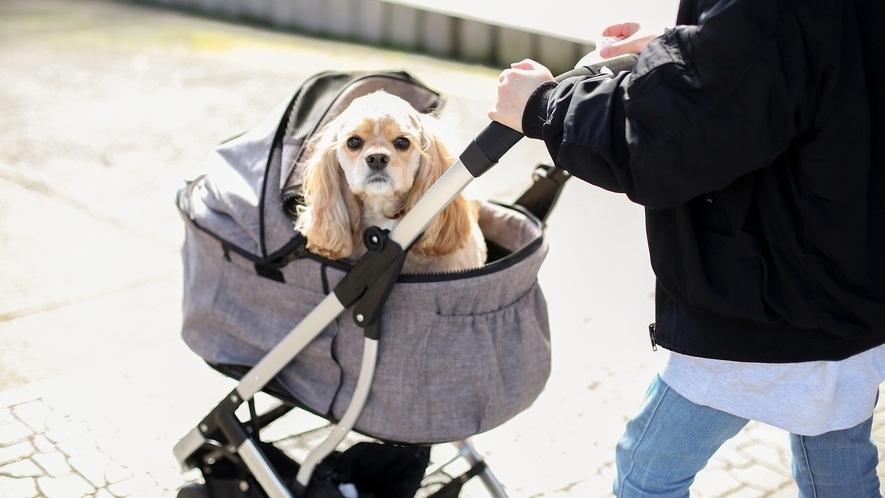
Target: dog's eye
[[354, 143], [401, 143]]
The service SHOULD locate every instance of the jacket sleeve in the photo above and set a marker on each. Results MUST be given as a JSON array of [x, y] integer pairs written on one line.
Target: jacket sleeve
[[704, 105]]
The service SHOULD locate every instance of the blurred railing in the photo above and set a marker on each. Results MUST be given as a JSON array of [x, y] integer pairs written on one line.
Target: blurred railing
[[449, 30]]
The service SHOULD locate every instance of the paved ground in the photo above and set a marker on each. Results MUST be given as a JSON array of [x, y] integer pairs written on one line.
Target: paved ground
[[105, 108]]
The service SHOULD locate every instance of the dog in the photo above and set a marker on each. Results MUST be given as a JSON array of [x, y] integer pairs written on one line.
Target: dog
[[368, 167]]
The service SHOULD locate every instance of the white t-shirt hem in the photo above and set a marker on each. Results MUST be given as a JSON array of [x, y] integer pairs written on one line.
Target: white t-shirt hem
[[808, 398]]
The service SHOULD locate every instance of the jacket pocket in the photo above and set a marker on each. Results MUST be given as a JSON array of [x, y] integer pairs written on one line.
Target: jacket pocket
[[734, 283]]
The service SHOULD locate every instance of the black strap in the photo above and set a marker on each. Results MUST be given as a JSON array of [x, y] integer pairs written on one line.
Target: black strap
[[325, 278]]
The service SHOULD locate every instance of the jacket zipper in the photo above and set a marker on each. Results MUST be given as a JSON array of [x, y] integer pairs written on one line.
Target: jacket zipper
[[651, 335], [652, 325]]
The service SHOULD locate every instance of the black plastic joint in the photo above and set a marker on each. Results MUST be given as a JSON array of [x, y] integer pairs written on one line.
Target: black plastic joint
[[475, 160], [226, 408], [374, 238], [372, 331], [270, 273], [384, 262]]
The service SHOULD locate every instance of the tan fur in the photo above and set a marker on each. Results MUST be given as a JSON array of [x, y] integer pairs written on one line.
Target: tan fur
[[344, 196], [332, 219]]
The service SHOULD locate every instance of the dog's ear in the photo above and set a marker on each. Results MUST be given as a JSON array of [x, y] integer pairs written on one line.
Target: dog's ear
[[435, 160], [330, 217], [450, 230]]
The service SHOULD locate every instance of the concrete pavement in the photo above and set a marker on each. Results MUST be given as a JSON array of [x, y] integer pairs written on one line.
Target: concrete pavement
[[105, 108]]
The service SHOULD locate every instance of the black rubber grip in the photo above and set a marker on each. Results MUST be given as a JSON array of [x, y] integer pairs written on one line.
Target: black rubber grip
[[488, 147]]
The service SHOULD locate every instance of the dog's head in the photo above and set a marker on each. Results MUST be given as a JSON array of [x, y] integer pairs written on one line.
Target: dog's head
[[381, 142], [375, 159]]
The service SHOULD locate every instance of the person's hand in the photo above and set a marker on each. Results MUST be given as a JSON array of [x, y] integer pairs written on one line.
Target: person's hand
[[628, 39], [515, 86]]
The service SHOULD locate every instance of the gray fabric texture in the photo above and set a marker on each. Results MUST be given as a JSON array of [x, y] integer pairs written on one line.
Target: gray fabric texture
[[457, 356]]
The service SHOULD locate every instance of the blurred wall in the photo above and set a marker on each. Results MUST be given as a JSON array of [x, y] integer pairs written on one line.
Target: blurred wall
[[405, 25]]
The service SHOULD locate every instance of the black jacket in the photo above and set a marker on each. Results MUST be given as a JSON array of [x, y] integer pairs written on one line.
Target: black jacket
[[754, 134]]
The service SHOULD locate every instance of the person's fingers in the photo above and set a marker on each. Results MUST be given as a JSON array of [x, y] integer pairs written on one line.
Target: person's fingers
[[526, 64], [630, 46], [626, 47], [622, 30], [505, 114]]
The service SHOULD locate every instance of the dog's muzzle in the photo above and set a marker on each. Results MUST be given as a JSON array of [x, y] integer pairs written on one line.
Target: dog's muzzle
[[377, 160]]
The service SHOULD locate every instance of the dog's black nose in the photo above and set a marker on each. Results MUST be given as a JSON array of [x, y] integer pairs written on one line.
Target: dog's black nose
[[377, 160]]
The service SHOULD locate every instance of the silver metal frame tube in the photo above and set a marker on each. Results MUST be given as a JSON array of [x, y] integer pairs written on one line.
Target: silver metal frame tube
[[188, 445], [299, 337], [431, 204], [351, 414], [265, 475], [491, 482]]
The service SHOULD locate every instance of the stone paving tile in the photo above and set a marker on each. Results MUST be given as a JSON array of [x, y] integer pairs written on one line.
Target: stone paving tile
[[83, 444], [17, 488], [6, 416], [42, 443], [36, 414], [133, 485], [714, 482], [65, 461], [762, 480], [14, 432], [94, 467], [15, 451], [21, 469], [67, 486], [53, 464]]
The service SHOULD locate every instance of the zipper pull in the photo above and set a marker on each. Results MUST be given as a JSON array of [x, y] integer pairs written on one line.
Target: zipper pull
[[651, 335], [300, 251]]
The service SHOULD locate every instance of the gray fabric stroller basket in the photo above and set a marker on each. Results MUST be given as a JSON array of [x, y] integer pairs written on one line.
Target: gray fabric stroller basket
[[459, 353]]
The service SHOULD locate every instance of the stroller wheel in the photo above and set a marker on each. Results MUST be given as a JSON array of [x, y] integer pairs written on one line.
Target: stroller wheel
[[193, 490]]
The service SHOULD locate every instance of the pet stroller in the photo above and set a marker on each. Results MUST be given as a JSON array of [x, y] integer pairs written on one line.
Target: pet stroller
[[435, 358]]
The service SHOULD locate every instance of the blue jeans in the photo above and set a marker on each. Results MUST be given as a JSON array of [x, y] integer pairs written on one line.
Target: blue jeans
[[672, 439]]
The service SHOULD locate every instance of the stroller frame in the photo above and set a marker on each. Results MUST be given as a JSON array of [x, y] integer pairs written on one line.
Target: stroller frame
[[366, 287]]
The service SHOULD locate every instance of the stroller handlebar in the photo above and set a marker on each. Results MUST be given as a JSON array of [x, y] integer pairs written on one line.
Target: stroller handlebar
[[488, 147], [496, 139]]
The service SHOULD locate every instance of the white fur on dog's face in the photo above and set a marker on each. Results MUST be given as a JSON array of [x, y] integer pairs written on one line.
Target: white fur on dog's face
[[379, 143]]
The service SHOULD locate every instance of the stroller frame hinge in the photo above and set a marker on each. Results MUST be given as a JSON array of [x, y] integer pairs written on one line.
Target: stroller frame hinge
[[223, 419], [218, 417], [369, 283]]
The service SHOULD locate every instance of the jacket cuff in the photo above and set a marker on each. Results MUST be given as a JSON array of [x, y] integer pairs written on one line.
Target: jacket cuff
[[535, 114]]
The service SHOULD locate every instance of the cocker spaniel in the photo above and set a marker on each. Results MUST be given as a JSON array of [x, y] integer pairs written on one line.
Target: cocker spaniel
[[368, 167]]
